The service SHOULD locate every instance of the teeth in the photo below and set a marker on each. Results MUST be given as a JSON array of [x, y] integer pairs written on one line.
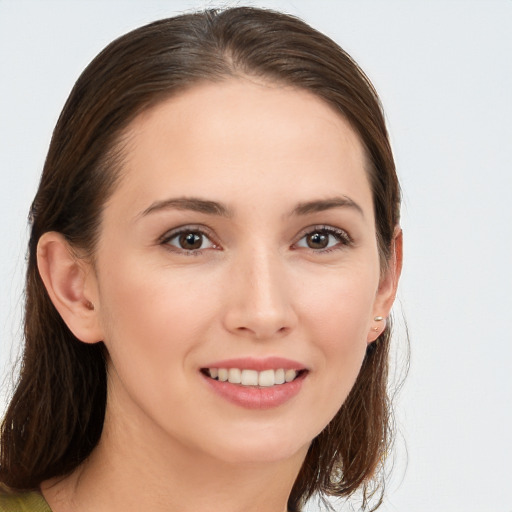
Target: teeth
[[249, 378], [266, 378], [289, 375], [234, 376]]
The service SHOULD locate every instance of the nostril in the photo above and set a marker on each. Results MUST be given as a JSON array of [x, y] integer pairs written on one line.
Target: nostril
[[248, 316]]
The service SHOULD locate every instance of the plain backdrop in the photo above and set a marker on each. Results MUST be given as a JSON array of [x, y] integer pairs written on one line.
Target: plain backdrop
[[444, 73]]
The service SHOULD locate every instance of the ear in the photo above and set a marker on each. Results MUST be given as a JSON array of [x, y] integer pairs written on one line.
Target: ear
[[71, 285], [388, 285]]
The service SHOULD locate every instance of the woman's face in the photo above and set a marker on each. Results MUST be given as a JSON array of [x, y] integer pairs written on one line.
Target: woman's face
[[240, 244]]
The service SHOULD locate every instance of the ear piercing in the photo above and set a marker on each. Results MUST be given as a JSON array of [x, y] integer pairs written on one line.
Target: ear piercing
[[377, 319], [89, 305]]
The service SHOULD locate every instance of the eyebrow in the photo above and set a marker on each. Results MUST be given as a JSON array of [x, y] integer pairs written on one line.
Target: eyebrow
[[215, 208], [189, 203], [326, 204]]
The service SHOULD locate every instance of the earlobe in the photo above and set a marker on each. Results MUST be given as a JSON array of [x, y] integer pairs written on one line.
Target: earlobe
[[68, 281], [387, 288]]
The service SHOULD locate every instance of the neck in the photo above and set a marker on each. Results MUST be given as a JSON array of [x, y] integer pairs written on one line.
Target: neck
[[135, 469]]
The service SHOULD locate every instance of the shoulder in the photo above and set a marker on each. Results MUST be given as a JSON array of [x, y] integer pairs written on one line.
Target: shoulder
[[22, 502]]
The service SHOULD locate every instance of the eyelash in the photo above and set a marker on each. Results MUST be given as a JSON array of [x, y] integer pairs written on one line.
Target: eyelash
[[342, 237], [187, 230]]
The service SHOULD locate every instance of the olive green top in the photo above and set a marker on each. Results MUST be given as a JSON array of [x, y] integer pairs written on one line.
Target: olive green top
[[23, 502]]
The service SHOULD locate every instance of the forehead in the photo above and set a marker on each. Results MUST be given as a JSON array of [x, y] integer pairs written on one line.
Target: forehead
[[255, 136]]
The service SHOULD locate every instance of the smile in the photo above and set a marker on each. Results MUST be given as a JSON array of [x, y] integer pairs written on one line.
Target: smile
[[248, 377], [255, 383]]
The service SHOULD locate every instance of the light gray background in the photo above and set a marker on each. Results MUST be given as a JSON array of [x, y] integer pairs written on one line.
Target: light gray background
[[443, 70]]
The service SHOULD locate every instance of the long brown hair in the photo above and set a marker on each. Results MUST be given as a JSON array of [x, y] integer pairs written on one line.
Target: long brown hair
[[56, 414]]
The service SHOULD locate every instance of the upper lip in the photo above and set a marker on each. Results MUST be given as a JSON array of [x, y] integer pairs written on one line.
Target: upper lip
[[258, 364]]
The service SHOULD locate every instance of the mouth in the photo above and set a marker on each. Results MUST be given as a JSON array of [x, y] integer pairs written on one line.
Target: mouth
[[252, 378], [256, 383]]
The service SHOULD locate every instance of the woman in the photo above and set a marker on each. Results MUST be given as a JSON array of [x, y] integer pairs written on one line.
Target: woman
[[214, 254]]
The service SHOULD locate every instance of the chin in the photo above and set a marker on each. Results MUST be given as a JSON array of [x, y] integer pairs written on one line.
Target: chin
[[262, 447]]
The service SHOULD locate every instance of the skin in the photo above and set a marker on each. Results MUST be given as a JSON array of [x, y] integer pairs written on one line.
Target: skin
[[254, 288]]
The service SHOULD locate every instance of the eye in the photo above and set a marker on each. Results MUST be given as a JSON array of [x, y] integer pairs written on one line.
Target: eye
[[188, 240], [322, 238]]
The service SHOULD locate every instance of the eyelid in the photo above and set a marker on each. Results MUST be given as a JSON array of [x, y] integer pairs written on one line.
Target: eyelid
[[343, 236], [188, 228]]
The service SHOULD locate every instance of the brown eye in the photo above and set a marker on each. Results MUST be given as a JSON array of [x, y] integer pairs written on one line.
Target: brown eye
[[317, 240], [190, 241], [324, 239]]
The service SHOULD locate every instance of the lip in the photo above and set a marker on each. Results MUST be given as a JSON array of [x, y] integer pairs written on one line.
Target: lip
[[255, 397], [258, 364]]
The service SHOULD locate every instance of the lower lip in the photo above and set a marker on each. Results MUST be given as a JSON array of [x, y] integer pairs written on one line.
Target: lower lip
[[253, 397]]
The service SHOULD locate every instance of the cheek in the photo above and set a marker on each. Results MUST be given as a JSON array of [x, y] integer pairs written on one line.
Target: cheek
[[340, 306], [152, 298], [142, 313], [151, 325], [338, 322]]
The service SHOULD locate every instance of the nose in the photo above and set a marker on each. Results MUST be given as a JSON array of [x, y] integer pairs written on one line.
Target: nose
[[260, 298]]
